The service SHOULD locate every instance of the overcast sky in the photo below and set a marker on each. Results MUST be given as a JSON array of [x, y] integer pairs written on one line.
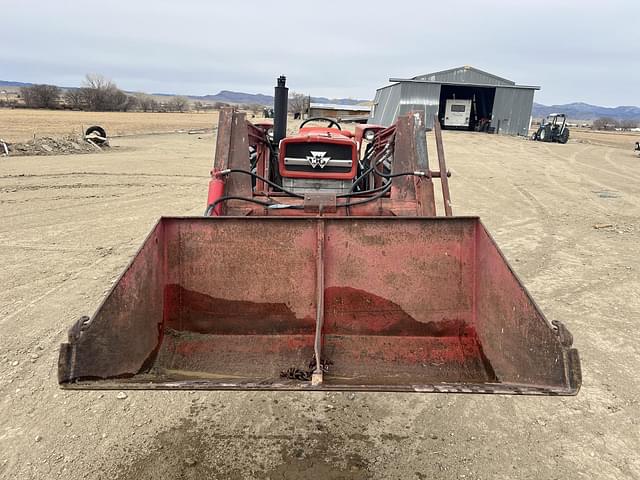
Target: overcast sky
[[575, 50]]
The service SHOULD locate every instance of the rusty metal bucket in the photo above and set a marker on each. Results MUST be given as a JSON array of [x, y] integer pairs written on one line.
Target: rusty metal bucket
[[385, 304]]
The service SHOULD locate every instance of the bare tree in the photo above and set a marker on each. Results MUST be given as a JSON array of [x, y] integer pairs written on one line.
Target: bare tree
[[178, 104], [128, 103], [298, 102], [96, 81], [74, 98], [119, 101], [147, 103], [605, 123], [628, 124], [41, 96], [5, 101], [102, 94], [98, 92]]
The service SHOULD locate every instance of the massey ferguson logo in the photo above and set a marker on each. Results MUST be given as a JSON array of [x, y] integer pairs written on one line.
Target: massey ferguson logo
[[318, 159]]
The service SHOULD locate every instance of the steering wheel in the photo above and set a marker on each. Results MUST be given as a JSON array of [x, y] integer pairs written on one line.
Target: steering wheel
[[330, 122]]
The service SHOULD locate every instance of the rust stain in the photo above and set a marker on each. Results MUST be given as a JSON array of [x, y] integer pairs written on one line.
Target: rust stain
[[192, 311], [350, 311]]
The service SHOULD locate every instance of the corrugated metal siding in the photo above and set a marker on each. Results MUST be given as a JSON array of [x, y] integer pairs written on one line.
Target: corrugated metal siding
[[382, 95], [512, 110], [374, 107], [386, 106], [420, 97], [399, 99], [465, 75]]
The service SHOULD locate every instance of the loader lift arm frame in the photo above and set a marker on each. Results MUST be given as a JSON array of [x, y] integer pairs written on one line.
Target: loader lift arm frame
[[410, 186]]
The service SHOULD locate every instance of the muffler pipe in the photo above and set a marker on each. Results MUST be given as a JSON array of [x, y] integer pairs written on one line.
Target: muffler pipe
[[280, 107]]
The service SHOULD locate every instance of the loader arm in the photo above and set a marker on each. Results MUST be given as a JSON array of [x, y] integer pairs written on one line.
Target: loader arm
[[410, 193]]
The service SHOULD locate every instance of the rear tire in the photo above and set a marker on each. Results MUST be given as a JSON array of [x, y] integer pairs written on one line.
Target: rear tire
[[543, 135], [564, 138]]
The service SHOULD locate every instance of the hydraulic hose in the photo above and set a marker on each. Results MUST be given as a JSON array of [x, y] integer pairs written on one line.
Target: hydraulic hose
[[255, 175], [213, 205], [364, 192], [380, 194]]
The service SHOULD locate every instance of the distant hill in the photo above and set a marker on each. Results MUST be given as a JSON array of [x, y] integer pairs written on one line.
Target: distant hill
[[585, 111], [5, 83], [338, 101], [225, 96], [228, 96]]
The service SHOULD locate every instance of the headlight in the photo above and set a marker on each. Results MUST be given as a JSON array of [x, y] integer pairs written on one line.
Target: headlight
[[270, 133], [369, 135]]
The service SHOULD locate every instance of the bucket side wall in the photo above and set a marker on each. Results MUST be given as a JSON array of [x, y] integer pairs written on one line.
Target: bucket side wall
[[516, 338], [124, 333]]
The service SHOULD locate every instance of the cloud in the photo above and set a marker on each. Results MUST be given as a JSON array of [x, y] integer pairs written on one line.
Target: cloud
[[576, 50]]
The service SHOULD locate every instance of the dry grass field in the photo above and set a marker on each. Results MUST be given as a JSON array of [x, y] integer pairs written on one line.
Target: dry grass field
[[566, 217], [22, 124], [607, 139]]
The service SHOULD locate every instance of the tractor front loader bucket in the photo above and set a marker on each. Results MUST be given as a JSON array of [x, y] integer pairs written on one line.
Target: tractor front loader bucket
[[322, 303]]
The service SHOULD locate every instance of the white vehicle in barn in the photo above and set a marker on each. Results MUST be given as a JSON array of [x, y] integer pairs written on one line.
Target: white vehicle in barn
[[457, 113]]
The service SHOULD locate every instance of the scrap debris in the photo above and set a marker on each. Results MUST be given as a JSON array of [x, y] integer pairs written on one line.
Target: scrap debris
[[95, 138], [50, 146], [295, 373]]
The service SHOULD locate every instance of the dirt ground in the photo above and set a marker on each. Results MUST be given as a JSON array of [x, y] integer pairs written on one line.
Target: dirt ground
[[20, 125], [70, 225]]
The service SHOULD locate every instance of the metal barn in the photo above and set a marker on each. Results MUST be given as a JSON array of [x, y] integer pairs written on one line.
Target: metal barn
[[498, 105]]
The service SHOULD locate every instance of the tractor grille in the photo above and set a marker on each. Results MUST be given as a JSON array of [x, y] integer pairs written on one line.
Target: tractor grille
[[316, 185], [339, 157]]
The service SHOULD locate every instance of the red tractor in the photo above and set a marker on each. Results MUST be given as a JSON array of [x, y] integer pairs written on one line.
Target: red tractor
[[320, 167], [320, 264]]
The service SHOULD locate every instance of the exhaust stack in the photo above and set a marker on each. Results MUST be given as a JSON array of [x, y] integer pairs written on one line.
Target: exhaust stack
[[280, 107]]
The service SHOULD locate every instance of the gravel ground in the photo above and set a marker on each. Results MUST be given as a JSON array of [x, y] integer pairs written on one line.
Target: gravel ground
[[566, 217]]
